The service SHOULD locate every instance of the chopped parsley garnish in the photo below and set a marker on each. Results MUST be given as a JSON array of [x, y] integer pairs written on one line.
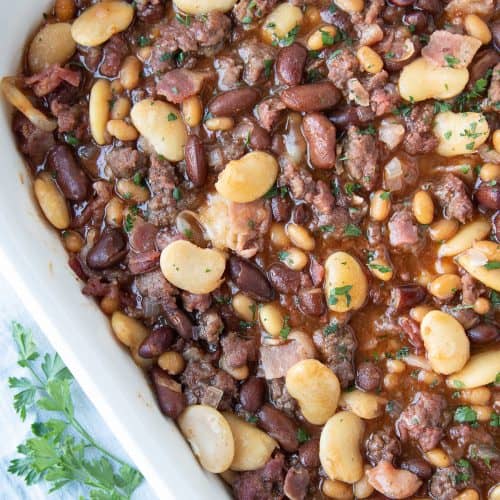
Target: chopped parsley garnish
[[330, 329], [186, 21], [172, 117], [138, 180], [166, 56], [247, 20], [492, 264], [275, 191], [287, 40], [71, 139], [495, 420], [402, 110], [451, 61], [458, 384], [402, 353], [441, 107], [385, 195], [285, 329], [351, 187], [302, 435], [327, 228], [448, 134], [129, 223], [268, 66], [495, 298], [465, 414], [370, 130], [177, 194], [352, 231], [252, 419], [380, 267], [283, 255], [143, 41], [339, 292], [327, 38]]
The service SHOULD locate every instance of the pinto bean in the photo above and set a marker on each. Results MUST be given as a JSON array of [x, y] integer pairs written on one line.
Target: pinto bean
[[196, 163], [405, 296], [320, 134], [180, 322], [312, 301], [250, 279], [489, 196], [290, 64], [309, 453], [234, 102], [252, 394], [368, 376], [484, 60], [432, 6], [283, 279], [311, 97], [350, 115], [495, 31], [417, 466], [69, 176], [108, 251], [157, 342], [260, 139], [484, 333], [168, 392], [281, 208], [279, 426]]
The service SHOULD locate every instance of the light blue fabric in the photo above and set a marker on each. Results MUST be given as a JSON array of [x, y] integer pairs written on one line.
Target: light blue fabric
[[14, 432]]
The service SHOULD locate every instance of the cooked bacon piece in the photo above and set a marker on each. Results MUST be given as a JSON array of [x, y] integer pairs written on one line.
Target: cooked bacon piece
[[179, 84], [49, 79]]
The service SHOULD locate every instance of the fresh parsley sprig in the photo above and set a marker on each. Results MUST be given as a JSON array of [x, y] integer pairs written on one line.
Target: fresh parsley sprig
[[61, 450]]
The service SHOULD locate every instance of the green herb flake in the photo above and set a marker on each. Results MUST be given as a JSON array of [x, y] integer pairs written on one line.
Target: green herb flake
[[172, 117], [352, 230], [128, 225], [402, 353], [138, 180], [492, 264], [286, 328], [143, 41], [327, 38], [448, 134], [185, 20], [70, 139], [380, 267], [385, 195], [465, 414], [370, 130], [339, 292], [302, 435], [495, 420], [330, 329], [268, 66], [177, 194], [451, 61]]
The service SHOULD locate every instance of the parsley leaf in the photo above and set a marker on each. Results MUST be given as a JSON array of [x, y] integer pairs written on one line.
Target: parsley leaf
[[380, 267], [451, 61], [352, 230], [465, 414], [286, 328], [338, 292], [302, 435], [492, 264], [60, 450]]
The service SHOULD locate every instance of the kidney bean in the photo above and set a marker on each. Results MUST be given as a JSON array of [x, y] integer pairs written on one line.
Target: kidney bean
[[403, 3], [350, 115], [108, 251], [416, 19], [70, 177], [290, 64], [484, 60], [495, 31], [234, 102], [301, 214], [157, 342], [168, 392], [312, 301], [392, 14], [311, 97], [489, 196], [495, 222], [252, 394], [405, 296], [412, 330], [484, 333], [368, 376], [309, 453], [281, 208], [196, 163], [279, 426], [260, 139], [320, 135], [180, 321], [417, 466], [338, 18], [432, 6], [250, 279], [283, 279]]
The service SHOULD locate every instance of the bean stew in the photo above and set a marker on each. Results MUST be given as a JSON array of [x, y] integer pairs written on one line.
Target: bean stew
[[290, 211]]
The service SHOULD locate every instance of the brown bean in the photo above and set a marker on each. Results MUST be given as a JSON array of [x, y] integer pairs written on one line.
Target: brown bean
[[196, 163], [301, 214], [157, 342], [489, 196], [234, 102], [281, 208], [312, 301], [368, 376], [69, 176], [168, 392], [402, 3], [416, 19], [484, 60], [311, 97], [108, 251], [309, 453], [417, 466], [405, 296], [180, 321], [290, 64], [320, 135], [495, 31], [350, 115], [250, 279], [433, 6], [279, 426], [260, 139], [283, 279], [484, 333], [252, 394]]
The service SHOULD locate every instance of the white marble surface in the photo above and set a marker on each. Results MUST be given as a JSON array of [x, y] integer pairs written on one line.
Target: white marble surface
[[13, 431]]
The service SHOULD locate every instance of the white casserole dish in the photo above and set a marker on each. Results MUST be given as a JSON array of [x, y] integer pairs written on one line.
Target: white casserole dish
[[33, 260]]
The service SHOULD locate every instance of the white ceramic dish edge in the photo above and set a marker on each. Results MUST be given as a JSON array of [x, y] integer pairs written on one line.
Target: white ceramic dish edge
[[33, 261]]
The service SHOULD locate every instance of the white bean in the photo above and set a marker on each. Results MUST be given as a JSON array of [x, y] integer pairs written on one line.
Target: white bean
[[100, 97], [204, 6], [481, 369], [465, 238]]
